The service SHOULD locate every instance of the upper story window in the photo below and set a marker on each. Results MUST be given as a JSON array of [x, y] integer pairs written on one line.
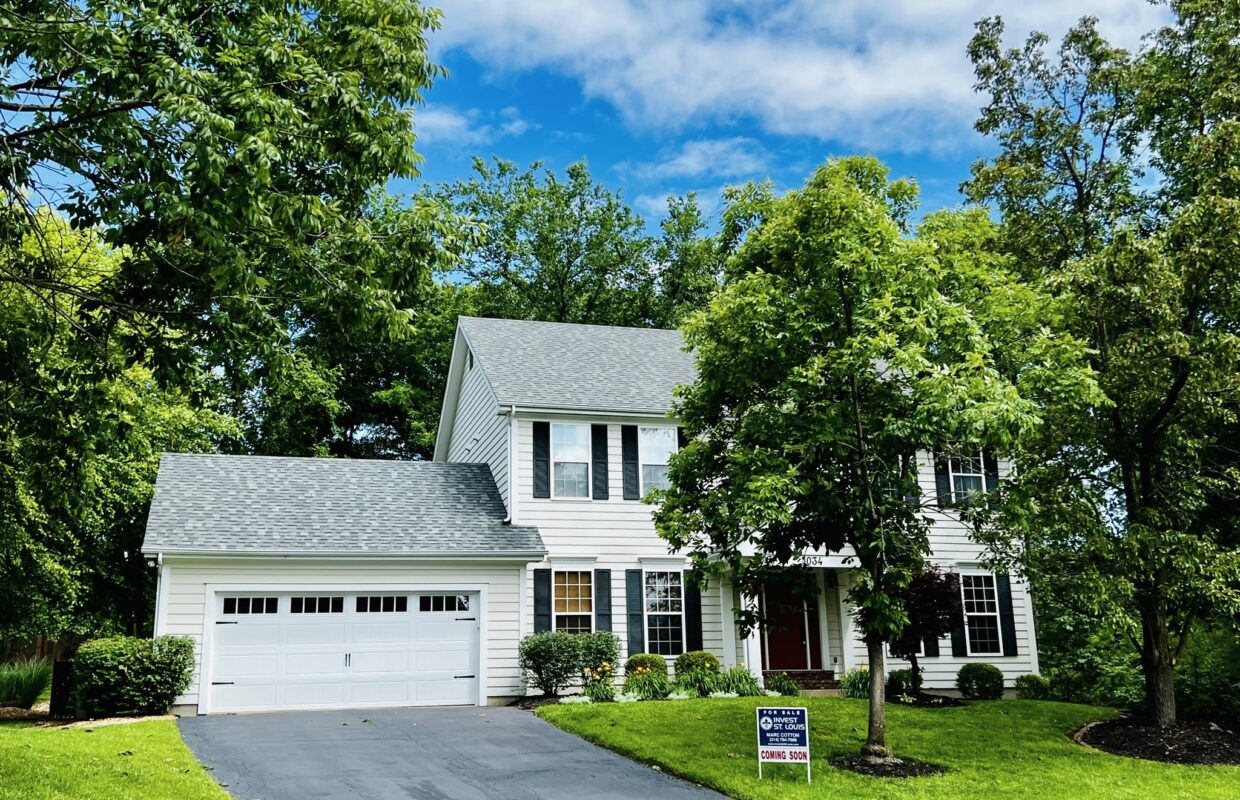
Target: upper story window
[[656, 443], [570, 460], [981, 614], [968, 475]]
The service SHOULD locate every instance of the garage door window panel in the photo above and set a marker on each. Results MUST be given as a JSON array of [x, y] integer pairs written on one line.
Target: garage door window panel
[[250, 605], [317, 605], [385, 604], [443, 602]]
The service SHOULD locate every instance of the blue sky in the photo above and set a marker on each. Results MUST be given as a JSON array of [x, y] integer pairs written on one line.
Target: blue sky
[[689, 95]]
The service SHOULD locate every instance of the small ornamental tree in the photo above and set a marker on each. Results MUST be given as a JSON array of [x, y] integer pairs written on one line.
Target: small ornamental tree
[[932, 603], [841, 347]]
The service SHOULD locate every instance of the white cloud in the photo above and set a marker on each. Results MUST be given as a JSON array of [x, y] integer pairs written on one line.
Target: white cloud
[[440, 125], [737, 156], [870, 74]]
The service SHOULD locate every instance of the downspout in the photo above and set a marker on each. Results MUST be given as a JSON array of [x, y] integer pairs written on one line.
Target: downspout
[[512, 465]]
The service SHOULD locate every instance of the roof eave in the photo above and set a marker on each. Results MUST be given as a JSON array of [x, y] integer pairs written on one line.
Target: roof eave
[[483, 555]]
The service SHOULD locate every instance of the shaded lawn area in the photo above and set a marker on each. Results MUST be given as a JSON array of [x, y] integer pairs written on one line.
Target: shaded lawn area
[[143, 761], [999, 749]]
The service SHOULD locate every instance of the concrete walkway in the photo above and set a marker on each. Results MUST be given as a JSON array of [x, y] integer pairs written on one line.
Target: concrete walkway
[[420, 754]]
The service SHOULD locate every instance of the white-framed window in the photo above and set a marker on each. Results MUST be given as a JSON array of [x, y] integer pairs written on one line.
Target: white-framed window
[[981, 614], [572, 593], [655, 445], [665, 612], [570, 460], [967, 474]]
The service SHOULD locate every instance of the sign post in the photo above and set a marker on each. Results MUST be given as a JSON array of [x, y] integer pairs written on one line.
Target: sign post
[[783, 738]]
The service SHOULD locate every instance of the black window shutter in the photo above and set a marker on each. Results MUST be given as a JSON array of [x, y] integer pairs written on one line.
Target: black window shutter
[[542, 459], [628, 462], [930, 648], [942, 481], [602, 600], [960, 648], [542, 600], [598, 455], [681, 439], [693, 615], [1007, 615], [990, 464], [635, 605]]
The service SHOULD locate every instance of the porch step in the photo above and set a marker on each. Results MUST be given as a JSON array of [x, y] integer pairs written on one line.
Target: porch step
[[810, 679]]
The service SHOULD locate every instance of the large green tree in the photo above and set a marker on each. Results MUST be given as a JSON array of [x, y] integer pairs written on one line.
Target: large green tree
[[213, 145], [844, 344], [81, 429], [1117, 182]]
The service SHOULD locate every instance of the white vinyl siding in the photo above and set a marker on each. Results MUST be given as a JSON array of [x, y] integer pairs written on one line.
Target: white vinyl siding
[[188, 578], [480, 431]]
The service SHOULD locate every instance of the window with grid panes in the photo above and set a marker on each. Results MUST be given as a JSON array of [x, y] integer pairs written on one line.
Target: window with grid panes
[[573, 601], [665, 613], [981, 614], [968, 476], [570, 460]]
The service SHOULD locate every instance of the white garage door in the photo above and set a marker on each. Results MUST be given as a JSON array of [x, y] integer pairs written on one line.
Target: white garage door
[[307, 649]]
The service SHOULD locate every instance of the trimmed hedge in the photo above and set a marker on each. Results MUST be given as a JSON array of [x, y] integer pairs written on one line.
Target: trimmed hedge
[[903, 681], [1032, 687], [980, 682], [126, 675], [650, 661], [550, 660], [696, 659]]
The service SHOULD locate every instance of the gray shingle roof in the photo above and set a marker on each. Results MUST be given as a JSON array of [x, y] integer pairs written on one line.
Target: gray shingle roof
[[266, 504], [585, 367]]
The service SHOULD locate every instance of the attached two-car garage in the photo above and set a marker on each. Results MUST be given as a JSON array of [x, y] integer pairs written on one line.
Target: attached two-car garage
[[304, 649]]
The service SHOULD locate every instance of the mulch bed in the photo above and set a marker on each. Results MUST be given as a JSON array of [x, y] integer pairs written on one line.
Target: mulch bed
[[531, 703], [1206, 743], [925, 700], [887, 768]]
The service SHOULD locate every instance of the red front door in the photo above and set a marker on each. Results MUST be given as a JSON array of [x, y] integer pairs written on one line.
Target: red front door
[[791, 638]]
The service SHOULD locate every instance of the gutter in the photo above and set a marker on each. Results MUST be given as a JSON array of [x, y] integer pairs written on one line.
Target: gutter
[[495, 555]]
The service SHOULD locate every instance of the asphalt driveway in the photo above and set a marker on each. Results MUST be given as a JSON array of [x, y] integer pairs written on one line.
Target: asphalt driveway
[[421, 754]]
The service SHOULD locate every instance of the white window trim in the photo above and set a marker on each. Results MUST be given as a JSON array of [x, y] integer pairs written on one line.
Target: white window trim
[[968, 640], [952, 474], [641, 455], [589, 495], [560, 570], [646, 612]]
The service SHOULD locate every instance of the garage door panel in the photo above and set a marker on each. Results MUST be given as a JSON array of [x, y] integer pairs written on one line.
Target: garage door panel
[[314, 694], [379, 692], [381, 632], [227, 698], [240, 665], [315, 633], [394, 661], [360, 657]]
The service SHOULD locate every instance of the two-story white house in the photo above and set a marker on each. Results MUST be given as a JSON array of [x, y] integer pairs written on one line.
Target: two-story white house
[[318, 583]]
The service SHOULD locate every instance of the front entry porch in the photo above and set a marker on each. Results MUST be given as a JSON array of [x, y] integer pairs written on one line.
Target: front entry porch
[[803, 638]]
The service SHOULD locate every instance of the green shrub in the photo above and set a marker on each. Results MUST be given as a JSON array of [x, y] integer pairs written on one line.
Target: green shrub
[[1032, 687], [550, 660], [780, 682], [647, 684], [739, 681], [696, 659], [600, 652], [856, 683], [980, 682], [903, 681], [23, 681], [698, 682], [601, 691], [126, 675], [652, 662]]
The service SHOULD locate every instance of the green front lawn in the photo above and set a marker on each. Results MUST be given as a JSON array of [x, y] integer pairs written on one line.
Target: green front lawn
[[1001, 749], [143, 761]]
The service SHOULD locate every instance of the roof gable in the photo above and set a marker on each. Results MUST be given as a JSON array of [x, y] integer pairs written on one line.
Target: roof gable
[[571, 367]]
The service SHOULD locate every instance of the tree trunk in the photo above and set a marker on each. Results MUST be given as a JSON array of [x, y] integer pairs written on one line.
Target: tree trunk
[[876, 736], [1158, 661]]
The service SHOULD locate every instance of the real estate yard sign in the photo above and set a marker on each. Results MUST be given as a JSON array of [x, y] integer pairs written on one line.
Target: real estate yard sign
[[783, 738]]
